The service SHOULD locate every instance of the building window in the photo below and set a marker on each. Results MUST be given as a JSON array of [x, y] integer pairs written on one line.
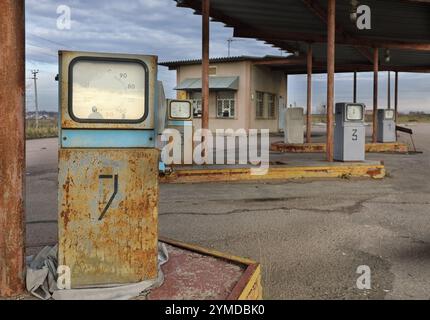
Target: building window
[[226, 105], [212, 71], [196, 98], [259, 104], [271, 108], [265, 105]]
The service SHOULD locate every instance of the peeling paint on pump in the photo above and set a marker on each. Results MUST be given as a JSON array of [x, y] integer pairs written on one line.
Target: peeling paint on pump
[[108, 179]]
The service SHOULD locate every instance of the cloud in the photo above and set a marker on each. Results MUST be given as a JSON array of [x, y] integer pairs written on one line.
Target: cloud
[[155, 27]]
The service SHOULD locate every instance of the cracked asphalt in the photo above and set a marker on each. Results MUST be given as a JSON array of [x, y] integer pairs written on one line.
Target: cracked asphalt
[[310, 235]]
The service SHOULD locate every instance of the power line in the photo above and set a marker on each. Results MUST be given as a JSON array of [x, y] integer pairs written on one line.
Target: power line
[[40, 52], [48, 40]]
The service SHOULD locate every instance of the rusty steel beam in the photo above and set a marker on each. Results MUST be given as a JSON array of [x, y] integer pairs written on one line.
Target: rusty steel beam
[[309, 96], [205, 64], [331, 35], [375, 93], [12, 147]]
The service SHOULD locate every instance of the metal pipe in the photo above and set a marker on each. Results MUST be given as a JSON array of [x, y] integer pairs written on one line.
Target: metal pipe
[[389, 91], [331, 27], [205, 67], [12, 147], [309, 96], [375, 93], [355, 88]]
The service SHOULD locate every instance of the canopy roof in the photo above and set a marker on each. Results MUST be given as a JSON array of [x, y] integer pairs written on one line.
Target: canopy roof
[[400, 28], [215, 83]]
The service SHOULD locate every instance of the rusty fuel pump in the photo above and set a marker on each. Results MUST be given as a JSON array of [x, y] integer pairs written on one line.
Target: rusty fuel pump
[[108, 168]]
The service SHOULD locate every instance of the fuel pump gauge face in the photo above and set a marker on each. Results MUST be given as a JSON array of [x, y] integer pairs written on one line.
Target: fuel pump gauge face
[[108, 90], [354, 112], [180, 109], [389, 114]]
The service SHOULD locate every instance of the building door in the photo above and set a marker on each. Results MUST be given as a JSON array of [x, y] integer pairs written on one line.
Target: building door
[[281, 114]]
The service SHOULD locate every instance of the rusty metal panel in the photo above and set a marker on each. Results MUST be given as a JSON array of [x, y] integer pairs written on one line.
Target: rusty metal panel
[[66, 57], [374, 170], [280, 146], [395, 147], [108, 201]]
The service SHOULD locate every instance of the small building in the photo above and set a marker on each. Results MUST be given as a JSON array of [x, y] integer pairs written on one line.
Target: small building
[[244, 93]]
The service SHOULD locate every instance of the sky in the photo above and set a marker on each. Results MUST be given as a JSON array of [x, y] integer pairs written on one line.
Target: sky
[[158, 27]]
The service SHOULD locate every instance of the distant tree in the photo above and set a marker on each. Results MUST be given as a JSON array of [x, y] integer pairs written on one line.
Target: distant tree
[[321, 109], [416, 113]]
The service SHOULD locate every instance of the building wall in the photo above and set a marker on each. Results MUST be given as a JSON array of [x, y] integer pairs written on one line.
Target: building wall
[[237, 69], [263, 79], [251, 79]]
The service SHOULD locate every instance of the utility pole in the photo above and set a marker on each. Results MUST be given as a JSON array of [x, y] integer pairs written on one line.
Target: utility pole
[[35, 72], [229, 41]]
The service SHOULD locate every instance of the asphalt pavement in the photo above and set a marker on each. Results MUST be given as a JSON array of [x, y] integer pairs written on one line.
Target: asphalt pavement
[[310, 236]]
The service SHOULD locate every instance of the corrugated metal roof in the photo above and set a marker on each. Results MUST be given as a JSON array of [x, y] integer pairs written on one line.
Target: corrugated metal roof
[[292, 24], [215, 83], [177, 63]]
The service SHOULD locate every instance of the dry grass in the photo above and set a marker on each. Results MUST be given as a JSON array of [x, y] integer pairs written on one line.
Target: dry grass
[[47, 129], [421, 118]]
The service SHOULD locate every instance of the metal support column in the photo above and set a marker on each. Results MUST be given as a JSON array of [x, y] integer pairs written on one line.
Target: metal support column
[[309, 97], [205, 65], [389, 90], [375, 93], [331, 30], [12, 147]]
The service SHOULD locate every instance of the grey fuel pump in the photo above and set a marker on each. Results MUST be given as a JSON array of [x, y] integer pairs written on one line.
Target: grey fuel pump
[[350, 134], [386, 126]]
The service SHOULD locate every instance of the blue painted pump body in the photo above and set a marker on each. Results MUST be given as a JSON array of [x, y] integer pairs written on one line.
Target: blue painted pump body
[[180, 123], [106, 138]]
